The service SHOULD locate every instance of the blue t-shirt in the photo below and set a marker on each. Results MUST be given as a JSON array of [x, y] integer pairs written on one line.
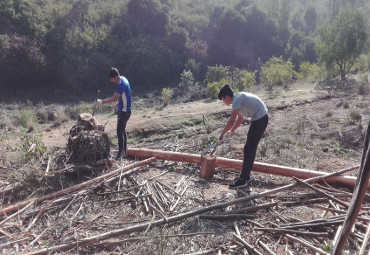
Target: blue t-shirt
[[124, 101], [249, 105]]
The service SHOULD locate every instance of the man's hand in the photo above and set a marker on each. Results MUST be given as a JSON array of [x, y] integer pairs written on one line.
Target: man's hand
[[228, 135], [220, 139], [98, 102]]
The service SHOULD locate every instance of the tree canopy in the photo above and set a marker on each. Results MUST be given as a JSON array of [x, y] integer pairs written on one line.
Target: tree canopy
[[50, 48], [344, 40]]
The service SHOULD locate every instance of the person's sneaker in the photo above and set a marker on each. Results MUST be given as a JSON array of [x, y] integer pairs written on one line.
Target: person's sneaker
[[123, 155], [239, 183], [119, 156]]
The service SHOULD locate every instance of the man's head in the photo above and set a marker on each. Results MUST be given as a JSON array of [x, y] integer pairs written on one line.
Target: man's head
[[113, 75], [226, 94]]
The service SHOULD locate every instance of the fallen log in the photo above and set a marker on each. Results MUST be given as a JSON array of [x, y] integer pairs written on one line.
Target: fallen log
[[237, 165]]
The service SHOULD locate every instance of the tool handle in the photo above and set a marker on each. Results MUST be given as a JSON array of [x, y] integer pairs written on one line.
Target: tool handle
[[97, 97]]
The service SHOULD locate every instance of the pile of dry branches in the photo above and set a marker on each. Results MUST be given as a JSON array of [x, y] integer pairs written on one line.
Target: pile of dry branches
[[117, 211]]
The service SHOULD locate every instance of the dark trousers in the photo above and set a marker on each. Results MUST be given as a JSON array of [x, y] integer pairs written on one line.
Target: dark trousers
[[123, 117], [256, 130]]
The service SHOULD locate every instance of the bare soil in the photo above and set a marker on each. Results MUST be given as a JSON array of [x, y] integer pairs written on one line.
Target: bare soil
[[308, 129]]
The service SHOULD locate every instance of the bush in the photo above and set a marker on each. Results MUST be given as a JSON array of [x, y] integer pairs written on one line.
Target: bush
[[308, 71], [277, 72], [83, 107], [187, 80], [216, 73], [27, 119], [214, 87], [166, 95], [246, 80], [30, 146]]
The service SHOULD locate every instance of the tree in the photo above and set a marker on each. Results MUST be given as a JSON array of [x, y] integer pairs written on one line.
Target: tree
[[310, 18], [343, 41], [147, 17]]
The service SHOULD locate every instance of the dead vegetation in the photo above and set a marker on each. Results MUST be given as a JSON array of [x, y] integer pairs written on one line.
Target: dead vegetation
[[149, 206]]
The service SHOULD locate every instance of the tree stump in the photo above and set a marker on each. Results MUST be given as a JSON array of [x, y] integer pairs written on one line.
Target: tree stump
[[87, 141]]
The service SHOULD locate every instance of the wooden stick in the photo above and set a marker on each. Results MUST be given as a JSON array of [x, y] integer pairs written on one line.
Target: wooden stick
[[321, 192], [296, 232], [26, 206], [252, 208], [266, 248], [249, 247], [364, 243], [330, 209], [178, 199], [202, 252], [43, 209], [307, 244], [236, 228], [227, 217]]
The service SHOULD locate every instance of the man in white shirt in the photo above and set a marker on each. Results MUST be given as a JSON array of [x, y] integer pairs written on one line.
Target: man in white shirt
[[245, 105]]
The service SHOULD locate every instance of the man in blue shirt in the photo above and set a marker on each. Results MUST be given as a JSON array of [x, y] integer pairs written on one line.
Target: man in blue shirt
[[244, 105], [123, 96]]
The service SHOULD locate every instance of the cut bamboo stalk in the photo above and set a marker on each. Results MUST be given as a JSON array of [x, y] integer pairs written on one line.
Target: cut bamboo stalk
[[237, 165], [307, 244], [364, 244], [266, 248]]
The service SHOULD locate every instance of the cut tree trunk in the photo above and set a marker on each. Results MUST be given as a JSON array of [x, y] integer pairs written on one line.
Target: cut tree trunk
[[225, 163]]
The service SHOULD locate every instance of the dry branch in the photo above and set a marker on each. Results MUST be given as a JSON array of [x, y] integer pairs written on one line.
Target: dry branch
[[266, 248], [246, 244], [322, 193], [227, 217], [296, 232], [253, 208], [364, 243]]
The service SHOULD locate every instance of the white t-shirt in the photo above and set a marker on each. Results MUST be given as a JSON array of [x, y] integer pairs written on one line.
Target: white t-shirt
[[249, 105]]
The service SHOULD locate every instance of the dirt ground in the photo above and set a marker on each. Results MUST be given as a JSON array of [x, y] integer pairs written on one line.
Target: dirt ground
[[308, 129]]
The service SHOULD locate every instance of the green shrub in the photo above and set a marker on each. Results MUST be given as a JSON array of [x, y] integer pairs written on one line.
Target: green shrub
[[355, 116], [27, 119], [61, 115], [308, 71], [214, 87], [166, 95], [83, 107], [30, 145], [277, 72], [246, 80], [187, 80], [216, 73]]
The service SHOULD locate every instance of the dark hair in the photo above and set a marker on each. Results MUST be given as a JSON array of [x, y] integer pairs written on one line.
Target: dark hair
[[226, 90], [113, 72]]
